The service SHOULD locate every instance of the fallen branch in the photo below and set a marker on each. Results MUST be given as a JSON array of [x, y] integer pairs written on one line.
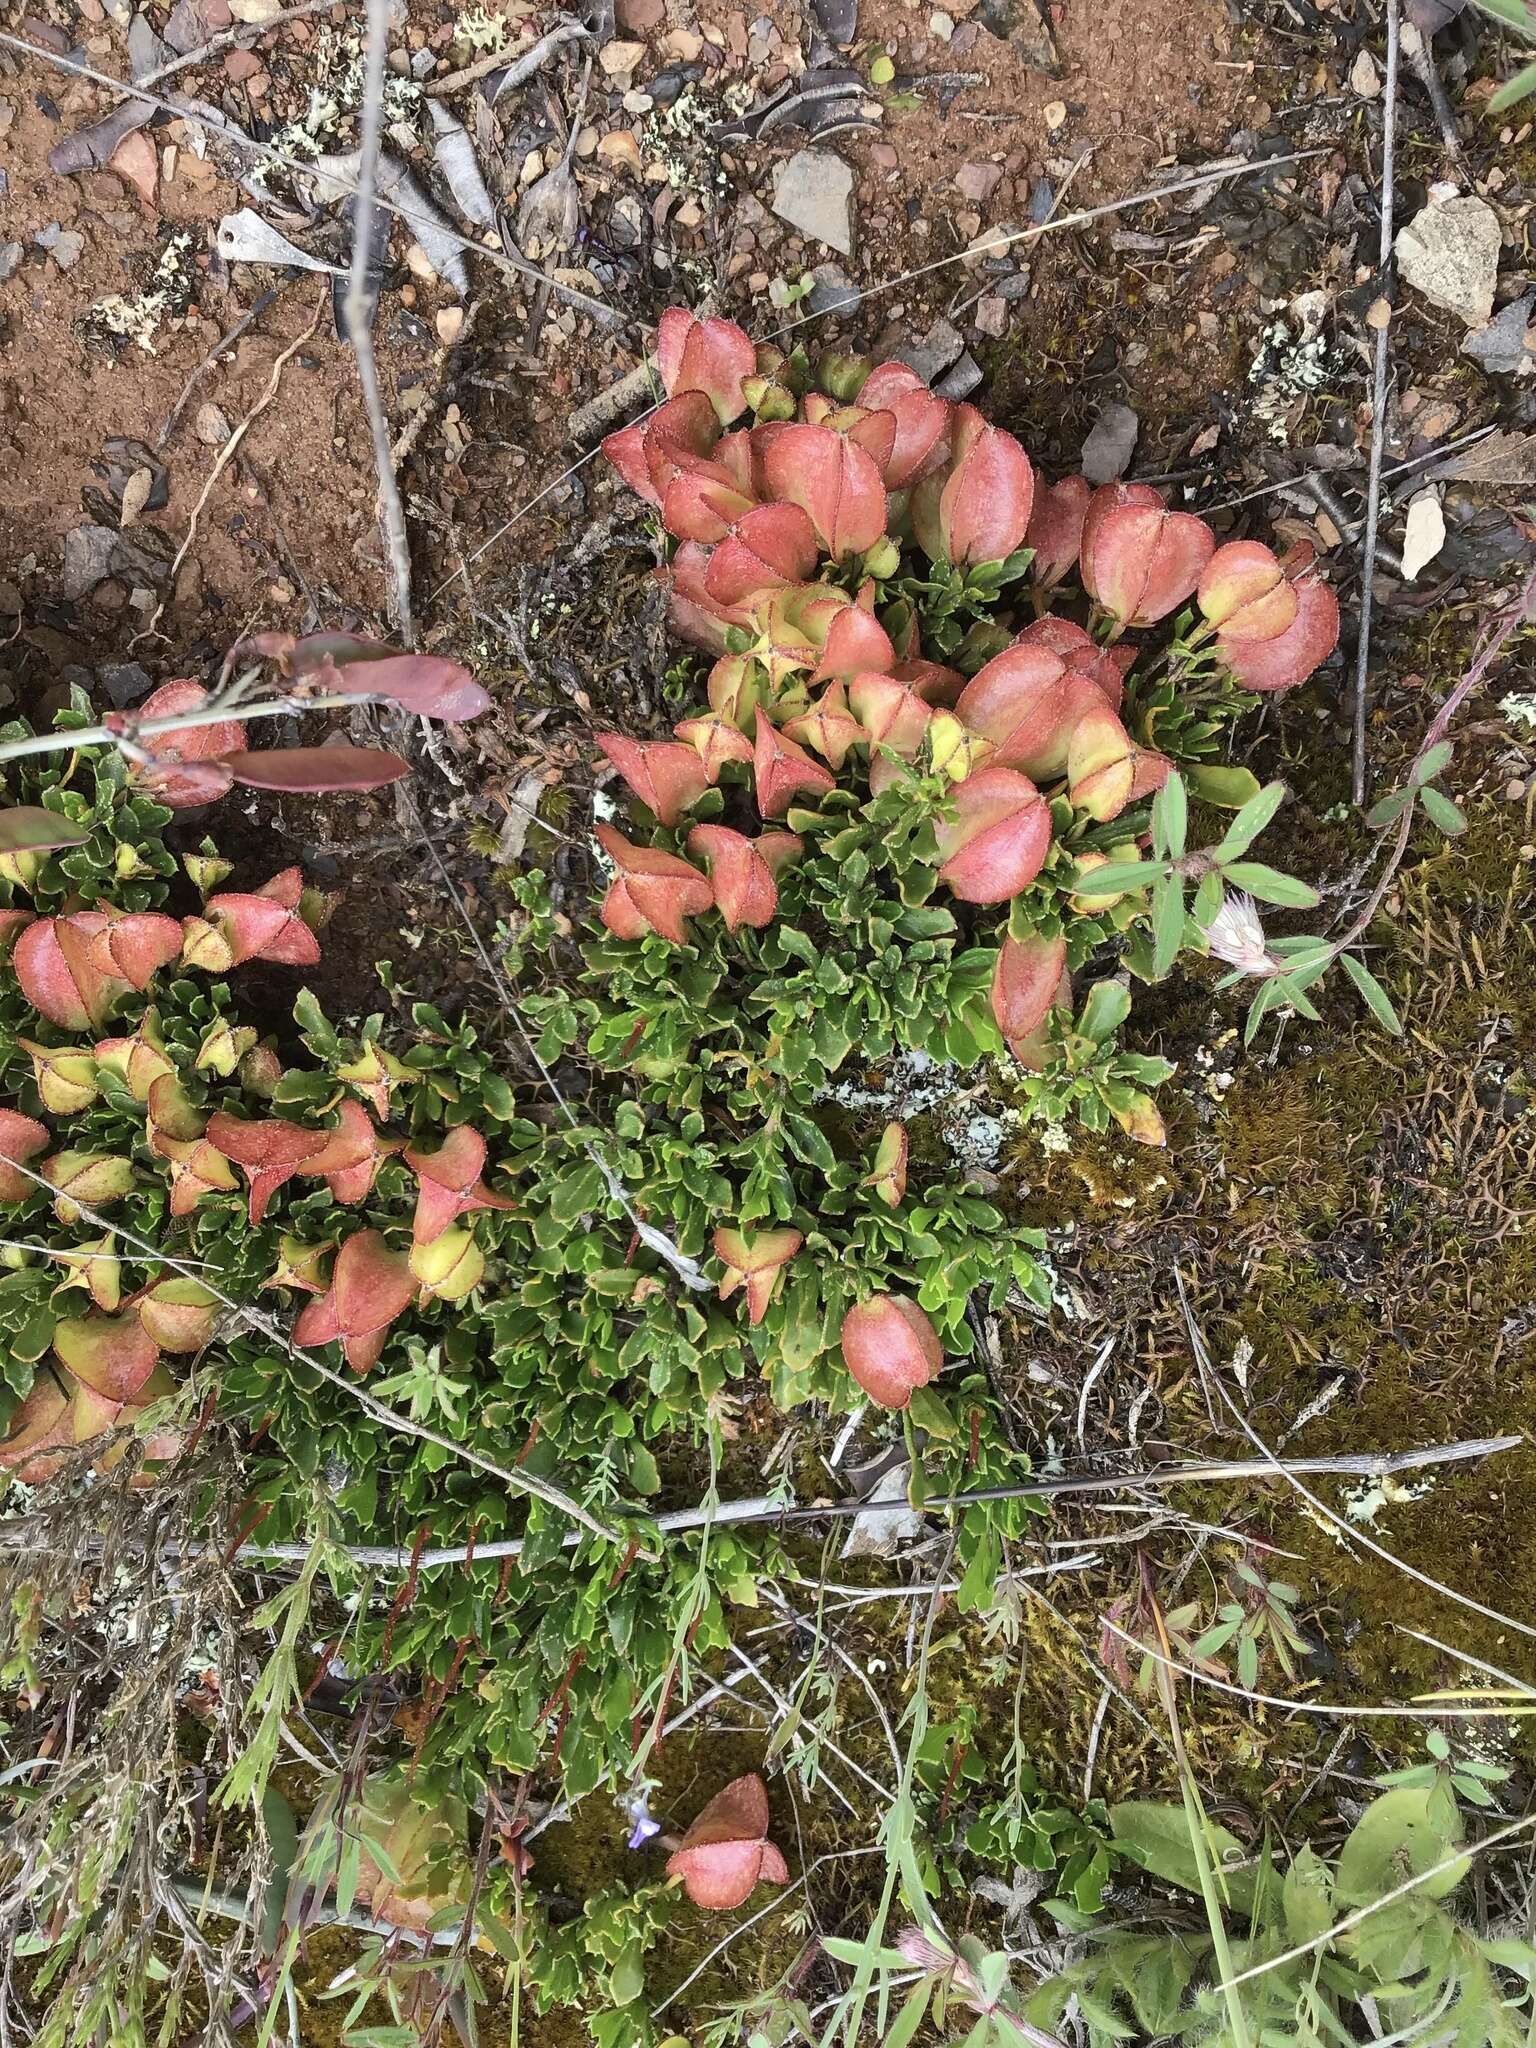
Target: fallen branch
[[359, 306], [232, 38], [763, 1508], [1378, 406], [603, 412], [521, 68]]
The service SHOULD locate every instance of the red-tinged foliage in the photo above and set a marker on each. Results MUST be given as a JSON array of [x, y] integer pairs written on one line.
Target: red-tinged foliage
[[348, 1158], [21, 1139], [652, 892], [254, 926], [1082, 654], [755, 1260], [370, 1287], [726, 1852], [998, 840], [1106, 769], [742, 870], [425, 683], [769, 547], [12, 924], [269, 1151], [1026, 986], [829, 728], [112, 1355], [781, 771], [1288, 659], [931, 680], [692, 613], [187, 771], [131, 946], [178, 1314], [890, 1347], [922, 420], [1055, 530], [1245, 592], [676, 437], [59, 973], [1139, 560], [310, 771], [833, 481], [666, 775], [853, 641], [892, 714], [449, 1183], [712, 356], [715, 740], [978, 508], [39, 1432], [1024, 701]]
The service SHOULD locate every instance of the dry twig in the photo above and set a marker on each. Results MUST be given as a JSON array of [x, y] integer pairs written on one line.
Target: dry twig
[[1378, 403]]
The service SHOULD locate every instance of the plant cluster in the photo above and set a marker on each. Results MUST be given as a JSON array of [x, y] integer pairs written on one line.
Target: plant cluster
[[930, 699], [1329, 1939]]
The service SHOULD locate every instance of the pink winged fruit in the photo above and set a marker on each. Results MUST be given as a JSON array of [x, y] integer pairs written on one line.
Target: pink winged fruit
[[890, 1347], [726, 1851]]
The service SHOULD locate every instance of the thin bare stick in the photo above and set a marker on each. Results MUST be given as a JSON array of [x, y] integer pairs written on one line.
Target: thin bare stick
[[520, 70], [336, 182], [1326, 1709], [219, 712], [231, 38], [225, 456], [519, 1481], [1378, 406], [360, 320], [1048, 1486], [253, 312]]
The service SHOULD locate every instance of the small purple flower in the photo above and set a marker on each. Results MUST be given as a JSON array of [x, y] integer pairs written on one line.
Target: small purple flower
[[636, 1806], [643, 1830]]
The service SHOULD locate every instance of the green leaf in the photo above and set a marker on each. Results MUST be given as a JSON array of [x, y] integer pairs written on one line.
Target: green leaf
[[1434, 762], [1208, 900], [1116, 876], [1377, 1001], [1157, 1837], [1307, 1896], [1400, 1835], [1167, 924], [1270, 886], [1440, 811], [1228, 789], [1170, 818], [910, 2018], [1517, 88], [1266, 999], [1251, 820], [1382, 814], [1106, 1009]]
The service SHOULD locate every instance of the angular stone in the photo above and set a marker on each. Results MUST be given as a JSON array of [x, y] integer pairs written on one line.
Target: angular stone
[[1449, 252], [1505, 344], [813, 191]]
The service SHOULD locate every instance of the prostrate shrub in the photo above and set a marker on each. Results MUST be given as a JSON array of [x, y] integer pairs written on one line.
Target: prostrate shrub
[[907, 838], [941, 696]]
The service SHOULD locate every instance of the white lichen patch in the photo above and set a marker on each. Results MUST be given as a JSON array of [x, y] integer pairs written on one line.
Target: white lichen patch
[[137, 317], [1289, 365]]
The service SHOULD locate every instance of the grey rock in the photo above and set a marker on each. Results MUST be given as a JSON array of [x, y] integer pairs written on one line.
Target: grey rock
[[992, 317], [88, 553], [1449, 252], [1501, 345], [125, 682], [832, 291], [63, 244], [962, 379], [10, 260], [1110, 444], [813, 191], [931, 356], [1015, 287]]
